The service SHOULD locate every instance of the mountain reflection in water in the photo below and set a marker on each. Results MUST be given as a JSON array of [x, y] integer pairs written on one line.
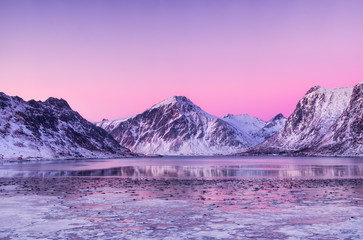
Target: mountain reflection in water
[[245, 171]]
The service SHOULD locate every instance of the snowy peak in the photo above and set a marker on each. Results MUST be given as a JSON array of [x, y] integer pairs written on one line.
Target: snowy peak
[[243, 118], [173, 127], [323, 90], [317, 117], [244, 122], [6, 100], [278, 117], [58, 103], [276, 122], [3, 96], [257, 129], [174, 100], [320, 107], [313, 89], [274, 125], [183, 104]]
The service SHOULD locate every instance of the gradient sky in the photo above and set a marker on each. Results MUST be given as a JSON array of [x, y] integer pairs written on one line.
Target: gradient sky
[[111, 59]]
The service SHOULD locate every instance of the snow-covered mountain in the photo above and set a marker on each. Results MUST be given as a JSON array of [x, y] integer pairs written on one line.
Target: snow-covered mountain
[[325, 122], [256, 129], [176, 126], [50, 129], [345, 137]]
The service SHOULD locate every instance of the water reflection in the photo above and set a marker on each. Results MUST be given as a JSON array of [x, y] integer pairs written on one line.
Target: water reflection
[[231, 171]]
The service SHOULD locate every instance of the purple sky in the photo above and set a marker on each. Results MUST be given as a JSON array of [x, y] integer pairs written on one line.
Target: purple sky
[[111, 59]]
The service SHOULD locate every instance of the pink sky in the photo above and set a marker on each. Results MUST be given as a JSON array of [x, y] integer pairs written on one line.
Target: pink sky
[[111, 59]]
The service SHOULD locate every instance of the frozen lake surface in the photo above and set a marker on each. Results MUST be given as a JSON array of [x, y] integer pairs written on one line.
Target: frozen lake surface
[[183, 198]]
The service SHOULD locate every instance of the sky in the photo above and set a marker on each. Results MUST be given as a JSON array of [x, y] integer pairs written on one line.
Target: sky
[[111, 59]]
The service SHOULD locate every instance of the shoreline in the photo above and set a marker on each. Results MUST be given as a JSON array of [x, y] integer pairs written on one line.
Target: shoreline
[[125, 208]]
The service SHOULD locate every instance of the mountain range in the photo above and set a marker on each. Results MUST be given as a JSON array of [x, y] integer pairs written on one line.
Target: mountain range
[[176, 126], [325, 122]]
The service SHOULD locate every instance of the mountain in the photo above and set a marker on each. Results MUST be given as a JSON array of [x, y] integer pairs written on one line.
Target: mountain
[[51, 129], [177, 126], [256, 129], [345, 137], [326, 121]]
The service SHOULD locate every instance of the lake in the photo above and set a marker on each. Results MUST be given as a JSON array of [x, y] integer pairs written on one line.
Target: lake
[[183, 198], [193, 167]]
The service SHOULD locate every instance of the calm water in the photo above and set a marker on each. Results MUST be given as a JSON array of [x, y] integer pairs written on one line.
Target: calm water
[[193, 167]]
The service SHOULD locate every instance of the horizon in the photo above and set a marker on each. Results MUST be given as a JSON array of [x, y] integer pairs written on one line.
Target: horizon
[[114, 59]]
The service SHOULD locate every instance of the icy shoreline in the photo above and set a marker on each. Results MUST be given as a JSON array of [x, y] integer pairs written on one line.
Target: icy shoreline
[[114, 208]]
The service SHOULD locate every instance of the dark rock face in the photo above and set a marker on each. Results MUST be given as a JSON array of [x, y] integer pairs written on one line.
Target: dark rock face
[[50, 129], [325, 122], [177, 127]]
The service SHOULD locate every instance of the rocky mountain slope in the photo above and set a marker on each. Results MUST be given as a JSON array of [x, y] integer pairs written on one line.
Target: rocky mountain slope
[[176, 126], [50, 129], [325, 122], [346, 135]]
